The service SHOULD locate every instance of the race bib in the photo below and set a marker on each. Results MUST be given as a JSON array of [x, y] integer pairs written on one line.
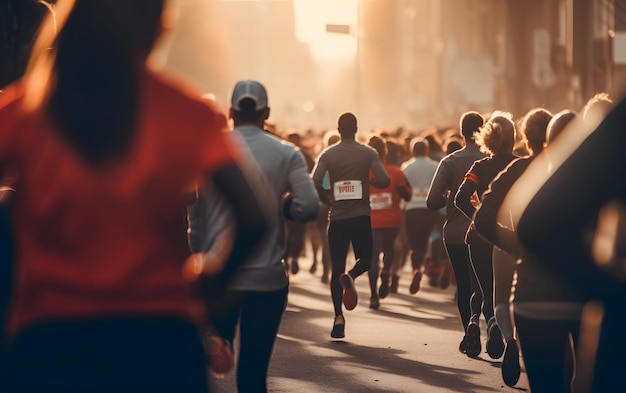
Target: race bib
[[348, 189], [380, 200], [419, 195]]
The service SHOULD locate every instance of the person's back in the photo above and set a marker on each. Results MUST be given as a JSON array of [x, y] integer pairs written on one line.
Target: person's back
[[449, 176], [348, 166], [285, 172], [256, 297], [419, 220], [101, 190]]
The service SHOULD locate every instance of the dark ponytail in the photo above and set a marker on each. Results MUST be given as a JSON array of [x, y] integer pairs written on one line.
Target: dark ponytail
[[95, 93]]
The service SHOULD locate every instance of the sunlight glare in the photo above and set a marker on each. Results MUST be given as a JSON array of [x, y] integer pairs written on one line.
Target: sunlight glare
[[312, 16]]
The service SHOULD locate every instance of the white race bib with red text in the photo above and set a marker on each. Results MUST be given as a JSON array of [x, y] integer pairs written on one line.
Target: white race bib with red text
[[348, 189], [380, 200]]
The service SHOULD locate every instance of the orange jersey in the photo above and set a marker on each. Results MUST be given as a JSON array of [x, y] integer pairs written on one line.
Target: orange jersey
[[108, 242], [385, 202]]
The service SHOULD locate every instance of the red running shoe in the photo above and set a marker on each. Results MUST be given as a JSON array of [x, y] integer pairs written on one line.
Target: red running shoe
[[350, 297], [220, 356]]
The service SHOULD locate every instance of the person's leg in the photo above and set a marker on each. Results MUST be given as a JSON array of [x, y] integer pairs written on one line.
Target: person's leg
[[388, 241], [109, 355], [481, 254], [421, 223], [461, 266], [338, 244], [322, 226], [294, 244], [400, 257], [610, 360], [374, 270], [225, 319], [361, 230], [503, 270], [261, 314], [547, 351], [316, 245]]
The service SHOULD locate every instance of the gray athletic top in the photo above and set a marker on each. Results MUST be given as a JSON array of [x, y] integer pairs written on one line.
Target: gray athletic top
[[348, 164], [449, 176], [282, 168]]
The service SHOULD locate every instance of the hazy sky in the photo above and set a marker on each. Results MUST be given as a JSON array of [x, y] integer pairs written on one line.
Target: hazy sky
[[311, 17]]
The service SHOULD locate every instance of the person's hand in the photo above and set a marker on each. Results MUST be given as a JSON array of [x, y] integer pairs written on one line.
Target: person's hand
[[198, 264], [474, 200]]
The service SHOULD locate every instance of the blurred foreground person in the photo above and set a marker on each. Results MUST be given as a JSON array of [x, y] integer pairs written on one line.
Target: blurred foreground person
[[569, 206], [348, 164], [105, 151], [256, 297]]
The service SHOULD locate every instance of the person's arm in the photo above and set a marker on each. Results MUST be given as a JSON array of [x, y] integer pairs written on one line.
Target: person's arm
[[404, 188], [320, 170], [302, 204], [486, 222], [438, 192], [250, 224], [195, 227], [381, 178], [463, 197]]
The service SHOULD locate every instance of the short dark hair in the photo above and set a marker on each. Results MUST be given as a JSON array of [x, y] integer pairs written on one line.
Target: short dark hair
[[471, 123], [379, 145], [347, 123], [419, 146], [534, 127]]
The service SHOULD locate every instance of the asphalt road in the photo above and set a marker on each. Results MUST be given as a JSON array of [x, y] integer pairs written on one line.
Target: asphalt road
[[410, 344]]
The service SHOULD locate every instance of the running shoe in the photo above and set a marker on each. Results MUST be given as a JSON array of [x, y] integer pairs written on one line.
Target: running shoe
[[415, 282], [383, 290], [473, 340], [374, 302], [463, 345], [350, 297], [395, 282], [339, 327], [495, 343], [221, 358], [510, 363], [295, 268]]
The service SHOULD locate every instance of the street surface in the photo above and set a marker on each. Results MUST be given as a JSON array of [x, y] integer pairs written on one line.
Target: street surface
[[410, 344]]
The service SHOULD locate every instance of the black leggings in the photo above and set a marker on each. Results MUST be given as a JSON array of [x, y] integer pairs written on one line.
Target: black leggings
[[341, 233], [384, 240], [109, 355], [419, 225], [466, 282], [481, 255], [259, 315], [548, 352]]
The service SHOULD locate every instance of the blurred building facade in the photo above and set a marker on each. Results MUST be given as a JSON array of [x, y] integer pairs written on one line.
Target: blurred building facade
[[425, 61]]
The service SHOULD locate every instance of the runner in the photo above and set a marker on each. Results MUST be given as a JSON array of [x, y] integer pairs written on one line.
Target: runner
[[386, 221], [348, 164], [449, 176]]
